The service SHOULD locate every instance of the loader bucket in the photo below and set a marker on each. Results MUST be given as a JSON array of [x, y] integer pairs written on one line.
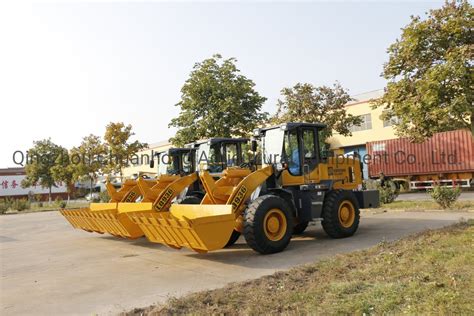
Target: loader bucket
[[81, 219], [107, 218], [201, 228], [103, 218]]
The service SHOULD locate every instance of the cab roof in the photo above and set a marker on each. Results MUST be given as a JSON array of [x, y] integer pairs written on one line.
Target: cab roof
[[216, 140], [174, 151], [291, 126]]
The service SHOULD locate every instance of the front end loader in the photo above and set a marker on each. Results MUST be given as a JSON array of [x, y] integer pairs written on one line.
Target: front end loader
[[96, 218], [178, 182], [296, 184], [177, 175], [225, 161]]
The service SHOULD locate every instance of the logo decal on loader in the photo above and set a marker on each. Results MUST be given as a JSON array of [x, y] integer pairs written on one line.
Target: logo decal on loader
[[239, 197], [164, 199], [131, 196]]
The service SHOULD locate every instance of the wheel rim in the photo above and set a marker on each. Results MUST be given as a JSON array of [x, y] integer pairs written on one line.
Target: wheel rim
[[346, 214], [274, 224]]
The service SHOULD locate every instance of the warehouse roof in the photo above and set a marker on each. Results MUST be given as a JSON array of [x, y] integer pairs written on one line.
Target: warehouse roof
[[366, 96], [12, 171]]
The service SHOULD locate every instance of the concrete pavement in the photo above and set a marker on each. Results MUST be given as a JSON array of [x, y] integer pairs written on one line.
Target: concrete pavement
[[48, 268]]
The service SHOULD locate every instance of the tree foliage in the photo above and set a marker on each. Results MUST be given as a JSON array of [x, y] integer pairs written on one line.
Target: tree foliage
[[64, 171], [305, 102], [87, 158], [429, 73], [217, 101], [42, 158], [117, 141]]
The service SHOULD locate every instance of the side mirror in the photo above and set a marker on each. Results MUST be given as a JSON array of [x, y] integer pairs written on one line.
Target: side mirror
[[254, 145], [152, 160]]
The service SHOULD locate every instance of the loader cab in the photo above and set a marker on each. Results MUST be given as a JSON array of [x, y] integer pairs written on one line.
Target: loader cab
[[300, 150], [177, 161], [217, 154], [293, 148]]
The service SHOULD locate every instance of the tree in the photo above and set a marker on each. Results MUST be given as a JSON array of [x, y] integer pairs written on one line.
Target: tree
[[88, 158], [217, 101], [117, 137], [429, 73], [41, 159], [65, 172], [306, 103]]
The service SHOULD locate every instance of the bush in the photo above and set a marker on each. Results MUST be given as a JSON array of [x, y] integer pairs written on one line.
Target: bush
[[80, 192], [59, 202], [9, 202], [21, 205], [445, 196], [3, 206], [387, 193], [104, 197]]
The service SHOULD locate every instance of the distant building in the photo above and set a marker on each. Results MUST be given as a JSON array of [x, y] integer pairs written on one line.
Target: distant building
[[373, 128], [141, 161], [10, 186]]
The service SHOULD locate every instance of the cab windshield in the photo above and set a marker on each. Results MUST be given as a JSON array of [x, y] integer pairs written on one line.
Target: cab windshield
[[292, 153], [169, 164], [215, 162]]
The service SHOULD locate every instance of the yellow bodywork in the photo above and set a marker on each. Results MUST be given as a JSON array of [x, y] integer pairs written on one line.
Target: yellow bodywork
[[207, 226], [97, 217], [111, 218], [345, 173]]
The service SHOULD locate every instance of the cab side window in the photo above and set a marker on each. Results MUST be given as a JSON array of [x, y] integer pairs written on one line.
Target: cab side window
[[310, 149], [231, 155], [308, 144], [187, 163]]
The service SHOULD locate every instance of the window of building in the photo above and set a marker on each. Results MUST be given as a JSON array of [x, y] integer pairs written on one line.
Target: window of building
[[392, 121], [365, 125]]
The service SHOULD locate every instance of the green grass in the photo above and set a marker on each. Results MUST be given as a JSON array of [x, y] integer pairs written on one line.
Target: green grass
[[427, 205], [430, 273]]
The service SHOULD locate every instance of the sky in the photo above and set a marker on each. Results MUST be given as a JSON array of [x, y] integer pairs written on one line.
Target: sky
[[68, 69]]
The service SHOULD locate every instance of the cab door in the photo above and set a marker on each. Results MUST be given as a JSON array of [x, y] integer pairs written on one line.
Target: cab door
[[309, 150]]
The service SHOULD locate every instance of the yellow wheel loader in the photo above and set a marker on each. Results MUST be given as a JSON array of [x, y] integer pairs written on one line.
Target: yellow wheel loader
[[106, 218], [296, 184], [219, 155], [178, 181], [95, 217]]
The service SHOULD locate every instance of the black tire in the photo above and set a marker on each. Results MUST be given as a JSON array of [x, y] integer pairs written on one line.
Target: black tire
[[300, 228], [233, 238], [332, 223], [191, 199], [255, 232]]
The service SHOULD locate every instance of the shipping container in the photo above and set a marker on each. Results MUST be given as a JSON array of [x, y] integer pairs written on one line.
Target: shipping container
[[447, 157]]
